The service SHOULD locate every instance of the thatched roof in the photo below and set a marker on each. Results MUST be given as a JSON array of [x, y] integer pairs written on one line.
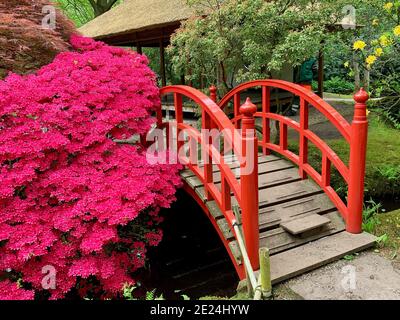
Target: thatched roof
[[137, 15]]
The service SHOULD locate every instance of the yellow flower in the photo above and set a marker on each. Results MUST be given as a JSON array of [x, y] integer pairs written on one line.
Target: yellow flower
[[384, 41], [368, 112], [396, 31], [370, 60], [378, 52], [388, 6], [375, 22], [359, 45], [347, 64]]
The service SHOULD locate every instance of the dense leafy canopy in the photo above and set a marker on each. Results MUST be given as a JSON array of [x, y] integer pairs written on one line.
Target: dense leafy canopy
[[235, 40], [377, 50], [82, 11]]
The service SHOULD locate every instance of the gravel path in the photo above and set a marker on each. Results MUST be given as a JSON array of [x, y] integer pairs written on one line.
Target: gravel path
[[369, 276]]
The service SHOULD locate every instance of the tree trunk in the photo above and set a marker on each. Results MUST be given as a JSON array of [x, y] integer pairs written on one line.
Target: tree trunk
[[101, 6], [357, 77], [367, 77], [222, 83]]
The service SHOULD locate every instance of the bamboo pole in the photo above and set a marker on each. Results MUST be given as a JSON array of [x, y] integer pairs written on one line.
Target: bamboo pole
[[264, 286], [251, 279], [265, 273]]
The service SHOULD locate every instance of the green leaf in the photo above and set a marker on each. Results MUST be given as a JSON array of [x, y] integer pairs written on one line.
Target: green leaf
[[382, 239], [349, 257]]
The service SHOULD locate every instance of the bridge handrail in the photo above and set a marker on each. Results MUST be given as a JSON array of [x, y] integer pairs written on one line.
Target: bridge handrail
[[355, 134], [213, 117], [246, 192], [310, 97]]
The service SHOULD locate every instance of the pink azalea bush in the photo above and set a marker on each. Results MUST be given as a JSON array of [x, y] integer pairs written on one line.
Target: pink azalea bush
[[71, 197]]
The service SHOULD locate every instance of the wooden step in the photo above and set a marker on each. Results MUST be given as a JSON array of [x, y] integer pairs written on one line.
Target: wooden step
[[304, 224], [232, 163], [287, 192], [274, 215], [313, 255], [277, 194], [275, 178], [275, 237], [271, 217], [265, 180], [278, 240], [267, 167]]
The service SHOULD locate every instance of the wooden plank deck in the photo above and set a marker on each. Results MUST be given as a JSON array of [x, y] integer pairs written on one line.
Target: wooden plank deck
[[283, 199]]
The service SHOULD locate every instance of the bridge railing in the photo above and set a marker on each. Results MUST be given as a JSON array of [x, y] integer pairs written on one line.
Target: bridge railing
[[355, 134], [244, 145]]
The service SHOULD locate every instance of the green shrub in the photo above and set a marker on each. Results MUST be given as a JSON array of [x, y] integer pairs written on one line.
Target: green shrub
[[389, 107], [339, 85], [370, 212]]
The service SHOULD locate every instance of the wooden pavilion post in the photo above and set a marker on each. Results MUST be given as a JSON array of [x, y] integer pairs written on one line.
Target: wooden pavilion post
[[139, 48], [162, 64]]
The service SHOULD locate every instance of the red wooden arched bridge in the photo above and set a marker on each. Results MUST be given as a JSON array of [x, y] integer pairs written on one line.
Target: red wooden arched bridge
[[281, 202]]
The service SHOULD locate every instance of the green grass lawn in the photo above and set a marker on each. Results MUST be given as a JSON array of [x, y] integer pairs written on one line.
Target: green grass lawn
[[328, 95], [387, 227], [389, 224]]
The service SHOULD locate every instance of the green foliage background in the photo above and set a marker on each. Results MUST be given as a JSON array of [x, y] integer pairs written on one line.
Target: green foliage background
[[239, 40], [80, 11]]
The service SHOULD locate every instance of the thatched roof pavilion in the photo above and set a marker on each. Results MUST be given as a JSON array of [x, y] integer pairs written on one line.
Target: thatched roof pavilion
[[133, 21], [140, 23], [149, 23]]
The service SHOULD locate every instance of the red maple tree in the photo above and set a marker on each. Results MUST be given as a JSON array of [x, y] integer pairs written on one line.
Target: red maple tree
[[25, 45]]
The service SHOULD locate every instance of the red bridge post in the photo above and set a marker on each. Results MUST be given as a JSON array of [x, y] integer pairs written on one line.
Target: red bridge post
[[249, 182], [213, 93], [358, 149]]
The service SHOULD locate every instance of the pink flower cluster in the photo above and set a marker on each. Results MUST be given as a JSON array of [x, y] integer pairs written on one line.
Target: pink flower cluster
[[70, 197], [11, 291]]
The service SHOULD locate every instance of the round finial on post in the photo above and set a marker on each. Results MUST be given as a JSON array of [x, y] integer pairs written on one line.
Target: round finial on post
[[361, 96], [248, 109], [213, 93], [360, 109]]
